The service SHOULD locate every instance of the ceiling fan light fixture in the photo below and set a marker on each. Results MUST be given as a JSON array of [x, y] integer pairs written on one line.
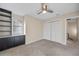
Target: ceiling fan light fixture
[[44, 11]]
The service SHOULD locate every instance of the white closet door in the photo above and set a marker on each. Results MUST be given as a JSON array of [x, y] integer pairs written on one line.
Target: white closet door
[[46, 31], [52, 32], [56, 31]]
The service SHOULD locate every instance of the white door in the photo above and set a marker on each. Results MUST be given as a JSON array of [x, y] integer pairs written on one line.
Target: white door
[[46, 31], [56, 31], [52, 32]]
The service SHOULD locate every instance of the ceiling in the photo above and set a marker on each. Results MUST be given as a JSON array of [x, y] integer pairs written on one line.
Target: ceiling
[[33, 8]]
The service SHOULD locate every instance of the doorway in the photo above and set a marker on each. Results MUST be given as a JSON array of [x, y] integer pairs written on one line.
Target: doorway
[[72, 31]]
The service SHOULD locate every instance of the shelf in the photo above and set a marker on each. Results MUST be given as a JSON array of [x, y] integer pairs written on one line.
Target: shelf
[[17, 26], [5, 15], [4, 21], [6, 11], [4, 31], [4, 26]]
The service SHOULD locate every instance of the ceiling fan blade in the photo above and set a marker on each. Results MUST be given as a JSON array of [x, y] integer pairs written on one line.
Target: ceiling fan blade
[[43, 6], [39, 12], [50, 11]]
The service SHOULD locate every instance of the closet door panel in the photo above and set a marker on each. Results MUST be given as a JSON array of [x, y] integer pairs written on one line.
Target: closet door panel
[[58, 28], [53, 31], [46, 31], [56, 31]]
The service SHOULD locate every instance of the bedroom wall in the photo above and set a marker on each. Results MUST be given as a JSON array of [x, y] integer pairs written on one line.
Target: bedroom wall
[[64, 24], [33, 29], [17, 24]]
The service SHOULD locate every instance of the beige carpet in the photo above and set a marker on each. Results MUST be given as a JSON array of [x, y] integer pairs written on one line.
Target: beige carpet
[[41, 48]]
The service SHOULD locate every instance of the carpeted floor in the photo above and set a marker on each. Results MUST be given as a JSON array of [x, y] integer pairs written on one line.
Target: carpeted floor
[[42, 48]]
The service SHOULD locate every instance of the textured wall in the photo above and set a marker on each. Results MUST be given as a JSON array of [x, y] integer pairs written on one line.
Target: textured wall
[[34, 29]]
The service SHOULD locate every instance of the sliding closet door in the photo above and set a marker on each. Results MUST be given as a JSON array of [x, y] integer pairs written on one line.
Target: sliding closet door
[[46, 30], [56, 31], [52, 32]]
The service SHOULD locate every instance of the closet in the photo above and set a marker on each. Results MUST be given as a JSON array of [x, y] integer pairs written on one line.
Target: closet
[[53, 31]]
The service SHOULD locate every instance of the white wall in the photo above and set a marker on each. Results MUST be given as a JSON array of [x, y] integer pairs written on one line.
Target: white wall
[[34, 29]]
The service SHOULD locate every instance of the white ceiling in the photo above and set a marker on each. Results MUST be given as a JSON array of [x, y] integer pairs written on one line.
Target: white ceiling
[[32, 9]]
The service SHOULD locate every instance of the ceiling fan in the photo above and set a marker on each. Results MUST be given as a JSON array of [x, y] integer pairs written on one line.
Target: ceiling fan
[[44, 9]]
